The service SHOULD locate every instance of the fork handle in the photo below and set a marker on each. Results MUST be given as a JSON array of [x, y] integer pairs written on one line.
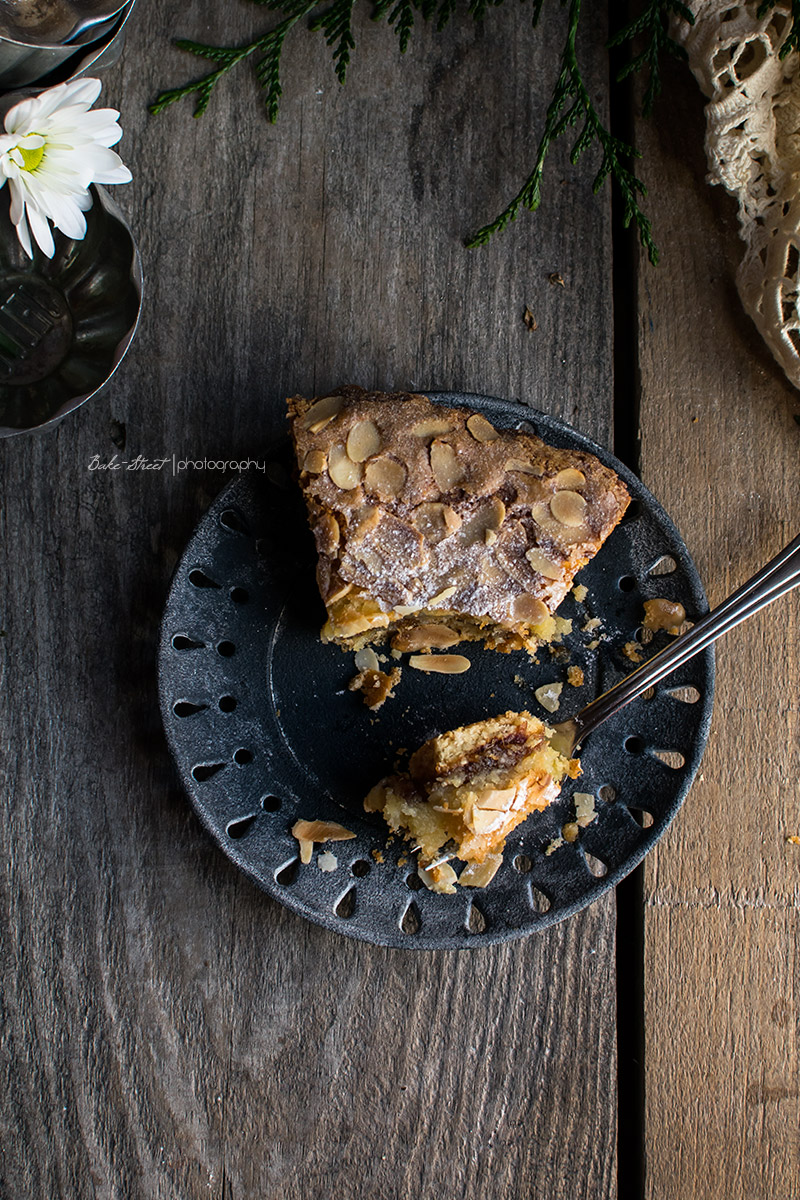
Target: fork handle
[[779, 576]]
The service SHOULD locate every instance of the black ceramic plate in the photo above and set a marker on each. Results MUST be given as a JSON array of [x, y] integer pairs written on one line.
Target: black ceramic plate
[[263, 729]]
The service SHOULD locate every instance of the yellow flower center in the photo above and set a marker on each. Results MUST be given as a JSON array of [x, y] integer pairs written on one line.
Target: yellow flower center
[[31, 158]]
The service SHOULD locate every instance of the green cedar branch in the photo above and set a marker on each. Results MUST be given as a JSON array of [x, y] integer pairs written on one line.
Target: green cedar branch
[[652, 24], [336, 23], [570, 105], [270, 44]]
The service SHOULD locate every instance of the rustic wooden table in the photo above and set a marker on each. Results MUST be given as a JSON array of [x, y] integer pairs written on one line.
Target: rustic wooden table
[[168, 1030]]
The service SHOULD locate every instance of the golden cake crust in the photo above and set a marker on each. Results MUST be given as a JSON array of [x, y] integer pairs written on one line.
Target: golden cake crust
[[424, 513]]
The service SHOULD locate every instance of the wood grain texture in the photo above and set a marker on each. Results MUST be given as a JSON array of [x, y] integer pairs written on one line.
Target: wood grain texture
[[167, 1030], [720, 449]]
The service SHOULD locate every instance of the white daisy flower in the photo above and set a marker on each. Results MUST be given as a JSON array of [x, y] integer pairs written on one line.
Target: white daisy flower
[[53, 148]]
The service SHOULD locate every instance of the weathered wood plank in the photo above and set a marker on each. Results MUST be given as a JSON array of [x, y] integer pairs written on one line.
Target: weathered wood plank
[[168, 1030], [720, 447]]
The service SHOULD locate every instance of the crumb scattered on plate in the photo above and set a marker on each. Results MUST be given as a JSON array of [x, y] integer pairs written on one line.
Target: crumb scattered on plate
[[549, 696], [585, 811], [633, 651], [660, 613], [377, 686]]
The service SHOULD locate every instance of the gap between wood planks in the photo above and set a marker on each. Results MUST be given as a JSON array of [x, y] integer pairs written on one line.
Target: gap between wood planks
[[626, 259]]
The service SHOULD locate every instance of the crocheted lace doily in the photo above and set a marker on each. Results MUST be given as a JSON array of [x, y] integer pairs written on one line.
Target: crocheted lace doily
[[753, 150]]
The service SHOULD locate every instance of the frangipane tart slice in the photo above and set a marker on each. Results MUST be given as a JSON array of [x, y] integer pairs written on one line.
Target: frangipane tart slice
[[465, 791], [433, 527]]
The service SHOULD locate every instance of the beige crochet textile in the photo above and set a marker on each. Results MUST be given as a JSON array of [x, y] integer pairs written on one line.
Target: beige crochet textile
[[753, 150]]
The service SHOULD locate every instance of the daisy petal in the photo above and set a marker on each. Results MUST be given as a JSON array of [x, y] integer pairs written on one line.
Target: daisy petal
[[41, 231]]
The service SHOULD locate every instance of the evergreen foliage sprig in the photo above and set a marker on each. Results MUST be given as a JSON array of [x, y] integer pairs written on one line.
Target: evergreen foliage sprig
[[571, 106], [652, 26]]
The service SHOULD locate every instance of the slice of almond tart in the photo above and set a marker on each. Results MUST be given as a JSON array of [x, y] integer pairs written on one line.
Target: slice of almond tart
[[433, 527]]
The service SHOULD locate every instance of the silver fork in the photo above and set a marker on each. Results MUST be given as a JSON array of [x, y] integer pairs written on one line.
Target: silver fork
[[779, 576]]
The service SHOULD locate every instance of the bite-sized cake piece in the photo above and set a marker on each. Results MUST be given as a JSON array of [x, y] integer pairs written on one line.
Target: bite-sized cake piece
[[433, 527], [465, 791]]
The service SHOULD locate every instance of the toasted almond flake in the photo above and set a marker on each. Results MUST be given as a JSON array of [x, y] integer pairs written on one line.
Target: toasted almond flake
[[432, 427], [360, 624], [425, 637], [529, 609], [367, 660], [478, 875], [575, 676], [491, 573], [447, 470], [484, 820], [320, 831], [327, 861], [363, 441], [441, 664], [490, 516], [570, 477], [481, 429], [496, 799], [489, 536], [592, 624], [385, 477], [540, 511], [452, 520], [321, 412], [343, 471], [568, 508], [549, 695], [406, 610], [441, 878], [543, 565], [338, 592], [524, 468], [306, 850], [580, 592], [440, 597], [429, 519], [327, 533], [495, 513], [585, 811], [315, 462]]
